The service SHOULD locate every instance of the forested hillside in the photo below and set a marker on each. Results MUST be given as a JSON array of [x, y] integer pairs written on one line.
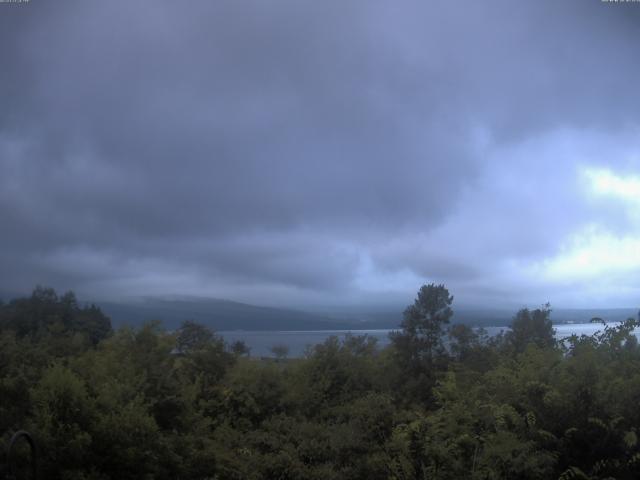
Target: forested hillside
[[441, 402]]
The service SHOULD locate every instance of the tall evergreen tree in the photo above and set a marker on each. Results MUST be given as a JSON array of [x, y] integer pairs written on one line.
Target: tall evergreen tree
[[419, 346]]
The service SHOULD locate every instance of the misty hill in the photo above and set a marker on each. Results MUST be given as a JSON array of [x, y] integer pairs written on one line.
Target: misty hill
[[228, 315], [216, 314]]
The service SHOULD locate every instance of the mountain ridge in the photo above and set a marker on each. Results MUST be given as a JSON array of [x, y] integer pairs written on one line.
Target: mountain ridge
[[227, 315]]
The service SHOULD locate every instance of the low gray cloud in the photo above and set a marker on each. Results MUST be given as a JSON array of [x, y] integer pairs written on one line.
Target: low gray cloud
[[307, 152]]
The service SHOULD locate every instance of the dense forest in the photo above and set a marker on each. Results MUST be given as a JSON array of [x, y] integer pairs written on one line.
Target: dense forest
[[443, 401]]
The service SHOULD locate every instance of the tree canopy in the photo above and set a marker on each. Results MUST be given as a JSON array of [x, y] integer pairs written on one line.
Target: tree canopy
[[532, 327], [148, 403]]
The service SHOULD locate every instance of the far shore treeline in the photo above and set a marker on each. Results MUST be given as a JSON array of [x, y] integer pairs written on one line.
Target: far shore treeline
[[442, 401]]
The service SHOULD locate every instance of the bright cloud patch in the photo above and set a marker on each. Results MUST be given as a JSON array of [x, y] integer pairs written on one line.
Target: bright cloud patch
[[605, 182], [596, 252]]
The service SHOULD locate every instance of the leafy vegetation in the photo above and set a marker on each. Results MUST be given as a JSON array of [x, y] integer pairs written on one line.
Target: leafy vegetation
[[441, 402]]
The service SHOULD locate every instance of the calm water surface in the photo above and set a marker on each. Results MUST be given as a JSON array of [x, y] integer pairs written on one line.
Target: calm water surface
[[260, 342]]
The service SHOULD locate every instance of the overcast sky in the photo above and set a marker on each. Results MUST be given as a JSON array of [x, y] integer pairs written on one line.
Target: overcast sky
[[311, 153]]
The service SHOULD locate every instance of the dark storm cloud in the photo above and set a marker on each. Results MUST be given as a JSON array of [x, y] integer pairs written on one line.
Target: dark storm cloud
[[237, 147]]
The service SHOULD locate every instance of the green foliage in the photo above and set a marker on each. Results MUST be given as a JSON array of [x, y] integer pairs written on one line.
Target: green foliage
[[438, 404], [419, 347], [59, 320], [280, 351], [193, 337], [423, 326], [531, 327], [62, 418]]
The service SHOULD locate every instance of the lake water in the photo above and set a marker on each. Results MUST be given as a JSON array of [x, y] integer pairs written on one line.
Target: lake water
[[260, 342]]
